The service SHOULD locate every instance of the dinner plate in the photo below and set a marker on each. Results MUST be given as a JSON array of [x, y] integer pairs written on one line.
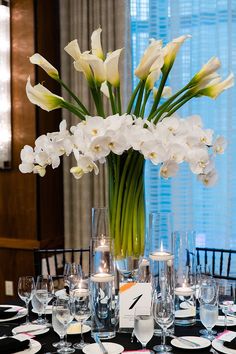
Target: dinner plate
[[61, 293], [112, 348], [31, 327], [35, 347], [21, 312], [231, 321], [203, 343], [48, 310], [218, 345], [75, 328]]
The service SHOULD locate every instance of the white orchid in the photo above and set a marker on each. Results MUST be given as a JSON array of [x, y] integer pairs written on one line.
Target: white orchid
[[208, 179], [169, 169], [84, 165], [219, 145]]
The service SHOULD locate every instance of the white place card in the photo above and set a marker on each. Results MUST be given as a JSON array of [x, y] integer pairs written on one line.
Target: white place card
[[227, 336], [131, 295]]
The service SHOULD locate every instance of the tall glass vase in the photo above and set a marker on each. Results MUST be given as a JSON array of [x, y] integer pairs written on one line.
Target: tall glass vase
[[127, 210]]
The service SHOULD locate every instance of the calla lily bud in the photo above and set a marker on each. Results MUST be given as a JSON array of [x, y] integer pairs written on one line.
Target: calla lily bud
[[104, 89], [166, 92], [214, 91], [42, 97], [96, 44], [171, 49], [45, 65], [151, 79], [151, 54], [112, 67], [208, 69], [98, 67]]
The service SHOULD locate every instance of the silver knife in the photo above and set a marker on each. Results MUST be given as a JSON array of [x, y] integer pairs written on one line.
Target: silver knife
[[184, 340], [101, 345]]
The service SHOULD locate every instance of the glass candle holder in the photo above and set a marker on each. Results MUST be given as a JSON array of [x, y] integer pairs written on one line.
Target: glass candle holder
[[185, 277]]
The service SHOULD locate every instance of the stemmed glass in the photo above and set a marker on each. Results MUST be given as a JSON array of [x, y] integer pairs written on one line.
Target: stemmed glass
[[82, 308], [208, 299], [72, 275], [64, 311], [44, 292], [58, 327], [143, 325], [38, 307], [226, 297], [26, 288], [163, 312]]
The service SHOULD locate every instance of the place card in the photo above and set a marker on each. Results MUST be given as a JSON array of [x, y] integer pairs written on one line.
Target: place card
[[132, 294], [227, 336]]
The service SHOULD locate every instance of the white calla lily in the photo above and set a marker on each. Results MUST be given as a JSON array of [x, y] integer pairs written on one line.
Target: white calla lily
[[97, 66], [112, 67], [152, 78], [207, 70], [215, 90], [96, 43], [171, 49], [42, 97], [104, 89], [166, 92], [150, 56], [45, 65]]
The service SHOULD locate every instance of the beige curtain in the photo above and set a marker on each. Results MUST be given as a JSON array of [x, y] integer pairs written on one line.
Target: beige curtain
[[78, 19]]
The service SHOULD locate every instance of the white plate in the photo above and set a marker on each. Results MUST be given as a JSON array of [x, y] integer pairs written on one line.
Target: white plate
[[219, 345], [48, 310], [21, 312], [75, 328], [31, 327], [112, 348], [203, 342], [231, 321], [34, 348]]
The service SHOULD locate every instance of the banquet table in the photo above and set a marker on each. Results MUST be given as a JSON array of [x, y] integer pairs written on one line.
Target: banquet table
[[124, 339]]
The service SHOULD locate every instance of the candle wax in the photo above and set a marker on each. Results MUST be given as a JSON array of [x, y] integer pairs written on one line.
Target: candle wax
[[102, 277]]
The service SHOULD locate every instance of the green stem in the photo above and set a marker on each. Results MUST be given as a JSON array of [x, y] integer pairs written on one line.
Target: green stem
[[139, 100], [131, 102], [100, 103], [73, 109], [119, 100], [112, 99], [146, 96], [159, 92], [179, 105], [84, 109]]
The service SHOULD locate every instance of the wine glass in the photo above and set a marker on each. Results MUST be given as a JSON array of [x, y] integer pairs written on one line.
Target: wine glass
[[226, 298], [44, 292], [58, 327], [208, 299], [72, 275], [163, 312], [38, 307], [82, 308], [26, 288], [64, 311], [143, 325]]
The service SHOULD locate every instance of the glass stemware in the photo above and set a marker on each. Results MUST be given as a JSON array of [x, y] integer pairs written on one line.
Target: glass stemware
[[163, 312], [208, 300], [226, 298], [82, 308], [143, 325], [58, 327], [72, 275], [64, 311], [26, 288], [38, 307], [44, 292]]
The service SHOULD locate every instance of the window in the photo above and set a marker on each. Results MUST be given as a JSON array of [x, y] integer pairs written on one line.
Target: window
[[212, 25]]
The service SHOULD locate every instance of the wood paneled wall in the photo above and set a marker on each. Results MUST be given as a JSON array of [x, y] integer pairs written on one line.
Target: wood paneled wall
[[31, 207]]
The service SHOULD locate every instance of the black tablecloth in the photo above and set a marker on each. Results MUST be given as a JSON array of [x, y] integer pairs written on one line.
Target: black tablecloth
[[122, 338]]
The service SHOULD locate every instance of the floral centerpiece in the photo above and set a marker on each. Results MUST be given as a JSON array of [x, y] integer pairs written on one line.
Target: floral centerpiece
[[130, 135]]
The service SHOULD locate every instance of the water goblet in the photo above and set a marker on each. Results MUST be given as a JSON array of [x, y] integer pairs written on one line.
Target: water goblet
[[38, 307], [64, 311], [208, 299], [58, 327], [82, 308], [226, 298], [143, 325], [44, 292], [163, 312], [26, 288], [72, 275]]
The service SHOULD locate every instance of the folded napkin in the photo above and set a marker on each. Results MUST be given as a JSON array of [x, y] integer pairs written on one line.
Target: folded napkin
[[231, 345], [12, 345], [4, 314]]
